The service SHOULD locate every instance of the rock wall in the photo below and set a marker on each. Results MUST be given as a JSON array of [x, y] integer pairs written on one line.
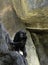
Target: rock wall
[[13, 24]]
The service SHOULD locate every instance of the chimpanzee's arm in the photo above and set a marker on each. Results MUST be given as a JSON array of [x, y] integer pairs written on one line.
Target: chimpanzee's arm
[[14, 43], [24, 51]]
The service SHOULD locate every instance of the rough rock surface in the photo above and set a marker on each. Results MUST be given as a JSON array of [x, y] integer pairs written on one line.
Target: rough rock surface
[[7, 56], [13, 24], [34, 13]]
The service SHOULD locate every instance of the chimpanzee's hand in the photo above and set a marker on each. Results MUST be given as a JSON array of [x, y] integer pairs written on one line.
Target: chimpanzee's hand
[[25, 54]]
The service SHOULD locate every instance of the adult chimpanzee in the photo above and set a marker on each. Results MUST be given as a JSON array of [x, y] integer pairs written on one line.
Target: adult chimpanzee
[[20, 41]]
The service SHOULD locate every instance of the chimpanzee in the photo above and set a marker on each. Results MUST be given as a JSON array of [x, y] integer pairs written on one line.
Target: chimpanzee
[[20, 41]]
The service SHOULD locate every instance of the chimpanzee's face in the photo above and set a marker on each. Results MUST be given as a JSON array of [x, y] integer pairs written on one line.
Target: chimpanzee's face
[[23, 36]]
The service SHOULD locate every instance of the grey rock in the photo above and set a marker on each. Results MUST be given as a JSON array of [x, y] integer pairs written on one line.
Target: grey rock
[[8, 57]]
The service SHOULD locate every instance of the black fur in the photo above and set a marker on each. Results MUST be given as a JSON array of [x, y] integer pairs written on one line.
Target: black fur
[[20, 42]]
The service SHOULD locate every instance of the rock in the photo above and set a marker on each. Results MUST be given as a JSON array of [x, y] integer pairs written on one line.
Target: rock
[[3, 45], [13, 24], [34, 13], [32, 57], [8, 57], [13, 58], [40, 49]]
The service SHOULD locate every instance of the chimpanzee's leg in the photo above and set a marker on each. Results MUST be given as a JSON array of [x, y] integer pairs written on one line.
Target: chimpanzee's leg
[[24, 51]]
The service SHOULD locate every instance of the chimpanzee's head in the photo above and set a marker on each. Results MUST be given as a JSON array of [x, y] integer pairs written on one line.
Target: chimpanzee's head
[[20, 36]]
